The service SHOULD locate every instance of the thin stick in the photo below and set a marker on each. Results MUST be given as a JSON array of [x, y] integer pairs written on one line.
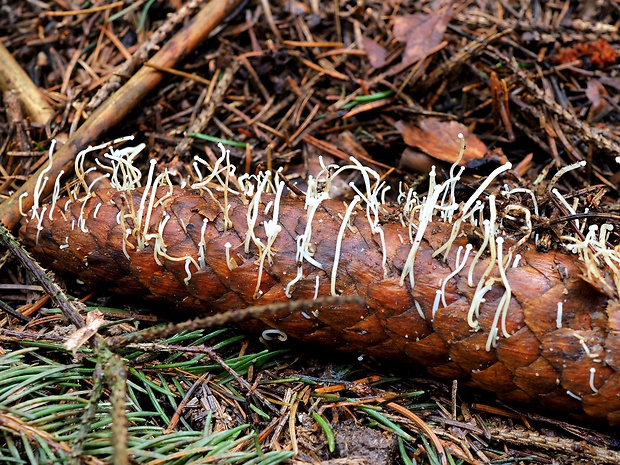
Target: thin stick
[[14, 313], [58, 296], [234, 316]]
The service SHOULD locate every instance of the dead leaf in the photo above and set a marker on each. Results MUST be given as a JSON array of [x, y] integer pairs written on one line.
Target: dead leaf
[[421, 32], [440, 140], [376, 53], [79, 337], [595, 91]]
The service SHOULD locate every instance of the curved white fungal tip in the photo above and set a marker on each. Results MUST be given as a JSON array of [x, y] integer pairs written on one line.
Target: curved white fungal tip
[[230, 262], [21, 206], [592, 372], [460, 135], [187, 270], [96, 212], [271, 334], [564, 170]]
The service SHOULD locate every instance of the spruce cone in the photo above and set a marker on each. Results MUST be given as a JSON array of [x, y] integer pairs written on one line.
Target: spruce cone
[[540, 328]]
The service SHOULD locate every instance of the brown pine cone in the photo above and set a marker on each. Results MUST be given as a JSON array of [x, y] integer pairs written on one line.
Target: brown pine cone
[[528, 329]]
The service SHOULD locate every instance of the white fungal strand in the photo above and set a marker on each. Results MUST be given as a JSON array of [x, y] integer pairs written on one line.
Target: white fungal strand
[[505, 300], [343, 226], [230, 262], [21, 205], [475, 305], [458, 266], [272, 229], [42, 180], [202, 244], [592, 373], [188, 261], [81, 220], [558, 320], [253, 209], [470, 202], [524, 190], [438, 294], [299, 276], [96, 212], [489, 239], [55, 194], [39, 225], [220, 175], [139, 218], [583, 341], [562, 171], [316, 287], [565, 203], [425, 217], [418, 307], [151, 206]]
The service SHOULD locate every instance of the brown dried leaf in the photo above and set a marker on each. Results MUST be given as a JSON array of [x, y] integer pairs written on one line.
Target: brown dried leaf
[[421, 32], [440, 140], [79, 337], [375, 52], [595, 91]]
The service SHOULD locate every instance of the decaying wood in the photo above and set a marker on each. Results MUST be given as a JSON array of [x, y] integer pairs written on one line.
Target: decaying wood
[[544, 328]]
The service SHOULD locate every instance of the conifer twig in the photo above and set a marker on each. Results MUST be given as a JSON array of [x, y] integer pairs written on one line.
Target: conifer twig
[[53, 290]]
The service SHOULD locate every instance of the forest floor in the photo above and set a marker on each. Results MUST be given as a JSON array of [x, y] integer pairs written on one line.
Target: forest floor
[[393, 83]]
